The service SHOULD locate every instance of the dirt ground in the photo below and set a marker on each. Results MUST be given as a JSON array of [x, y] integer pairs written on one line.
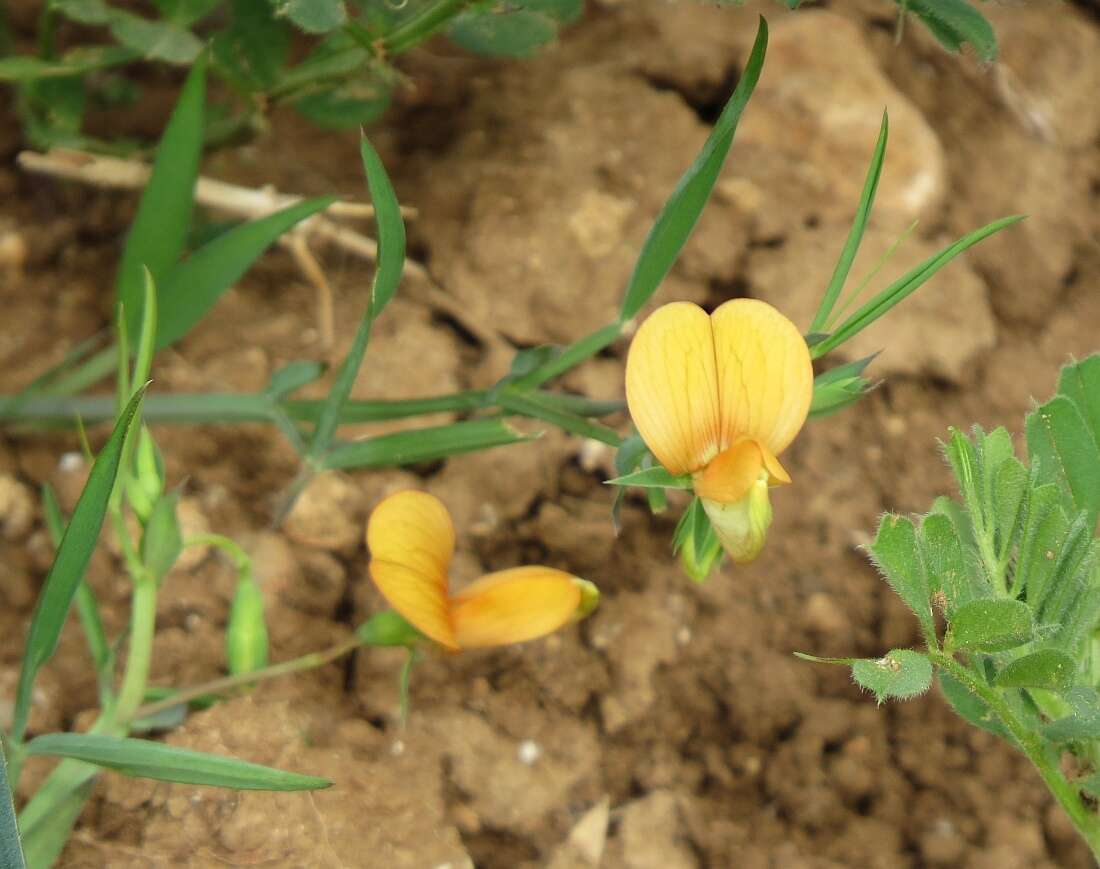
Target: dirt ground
[[674, 728]]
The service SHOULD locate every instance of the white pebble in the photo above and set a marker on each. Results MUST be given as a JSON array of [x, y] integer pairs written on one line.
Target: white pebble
[[71, 461], [529, 752]]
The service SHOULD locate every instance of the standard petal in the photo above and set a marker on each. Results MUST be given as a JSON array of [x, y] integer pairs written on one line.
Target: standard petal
[[672, 387], [765, 376], [417, 596], [514, 605], [413, 529]]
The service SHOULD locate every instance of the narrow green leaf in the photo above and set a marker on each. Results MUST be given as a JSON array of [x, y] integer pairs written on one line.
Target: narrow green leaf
[[993, 625], [147, 333], [391, 258], [11, 851], [192, 287], [955, 23], [423, 445], [159, 231], [570, 357], [146, 759], [1010, 488], [87, 606], [832, 397], [681, 212], [906, 286], [44, 841], [69, 564], [1080, 382], [960, 521], [656, 477], [970, 706], [897, 675], [855, 235], [1044, 532], [695, 542], [531, 405], [897, 556], [1072, 567], [942, 554], [1061, 440], [1047, 668], [292, 377]]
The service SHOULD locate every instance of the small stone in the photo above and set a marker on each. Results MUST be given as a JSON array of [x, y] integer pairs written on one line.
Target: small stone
[[598, 222], [16, 508], [823, 615], [193, 523], [528, 752], [329, 514]]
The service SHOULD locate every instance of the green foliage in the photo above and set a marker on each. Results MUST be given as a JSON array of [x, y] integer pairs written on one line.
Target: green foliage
[[155, 760], [161, 540], [387, 628], [67, 571], [1015, 569], [652, 477], [683, 208], [993, 625], [955, 23], [897, 675], [246, 641], [11, 849]]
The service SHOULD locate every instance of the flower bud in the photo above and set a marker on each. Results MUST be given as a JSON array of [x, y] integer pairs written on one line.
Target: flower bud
[[246, 634], [742, 525]]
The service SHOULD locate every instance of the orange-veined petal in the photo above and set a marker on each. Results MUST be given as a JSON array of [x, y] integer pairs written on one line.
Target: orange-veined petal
[[412, 540], [511, 606], [414, 529], [672, 387], [418, 597], [765, 376], [731, 473]]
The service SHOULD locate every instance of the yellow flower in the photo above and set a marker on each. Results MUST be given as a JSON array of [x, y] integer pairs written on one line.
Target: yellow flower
[[719, 397], [412, 540]]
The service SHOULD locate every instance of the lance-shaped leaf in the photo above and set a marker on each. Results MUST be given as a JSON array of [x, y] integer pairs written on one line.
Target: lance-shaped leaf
[[146, 759], [1080, 382], [424, 444], [190, 289], [681, 212], [993, 625], [969, 705], [955, 23], [1083, 722], [655, 477], [159, 231], [11, 851], [943, 559], [1047, 668], [391, 260], [897, 675], [896, 554], [69, 564], [1062, 442]]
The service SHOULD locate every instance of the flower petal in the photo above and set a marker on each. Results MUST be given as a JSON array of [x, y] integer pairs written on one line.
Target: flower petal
[[419, 597], [672, 387], [413, 529], [765, 376], [511, 606], [731, 473]]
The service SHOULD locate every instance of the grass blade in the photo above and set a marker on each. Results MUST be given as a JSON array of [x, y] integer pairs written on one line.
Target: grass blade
[[681, 212], [159, 231], [44, 841], [905, 286], [87, 607], [530, 404], [146, 759], [69, 565], [855, 234], [11, 852], [191, 288], [391, 259], [424, 444]]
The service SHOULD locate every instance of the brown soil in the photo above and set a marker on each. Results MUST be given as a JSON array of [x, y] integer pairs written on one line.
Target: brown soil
[[674, 728]]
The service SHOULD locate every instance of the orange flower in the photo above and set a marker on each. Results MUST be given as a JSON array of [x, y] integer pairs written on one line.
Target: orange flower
[[719, 397], [412, 540]]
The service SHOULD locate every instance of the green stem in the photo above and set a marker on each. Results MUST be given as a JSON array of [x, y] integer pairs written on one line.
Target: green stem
[[227, 683], [421, 26], [139, 654], [1084, 819], [230, 547]]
